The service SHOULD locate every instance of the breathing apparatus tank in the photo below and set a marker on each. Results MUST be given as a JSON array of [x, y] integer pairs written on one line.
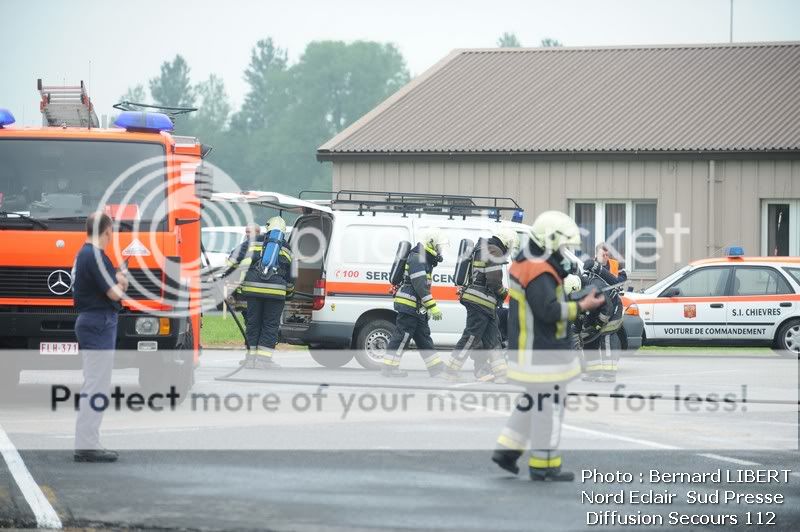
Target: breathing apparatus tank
[[271, 252], [466, 250], [399, 265]]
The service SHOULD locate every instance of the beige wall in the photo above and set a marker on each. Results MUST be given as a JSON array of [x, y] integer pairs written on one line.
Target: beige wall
[[677, 186]]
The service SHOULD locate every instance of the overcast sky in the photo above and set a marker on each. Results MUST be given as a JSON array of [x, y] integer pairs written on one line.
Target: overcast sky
[[116, 44]]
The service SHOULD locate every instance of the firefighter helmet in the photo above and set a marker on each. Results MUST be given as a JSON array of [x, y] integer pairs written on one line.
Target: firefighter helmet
[[572, 283], [509, 238], [553, 229], [434, 240], [276, 222]]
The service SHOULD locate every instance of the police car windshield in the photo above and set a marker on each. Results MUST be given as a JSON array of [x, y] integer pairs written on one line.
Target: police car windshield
[[659, 286], [49, 179]]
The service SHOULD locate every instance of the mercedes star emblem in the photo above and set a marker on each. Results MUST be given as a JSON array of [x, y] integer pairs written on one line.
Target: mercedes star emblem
[[59, 282]]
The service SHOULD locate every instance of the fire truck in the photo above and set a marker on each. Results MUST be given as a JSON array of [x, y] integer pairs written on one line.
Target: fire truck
[[151, 183]]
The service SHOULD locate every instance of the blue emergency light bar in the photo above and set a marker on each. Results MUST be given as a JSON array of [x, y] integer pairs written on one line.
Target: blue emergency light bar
[[734, 251], [517, 216], [6, 118], [142, 121]]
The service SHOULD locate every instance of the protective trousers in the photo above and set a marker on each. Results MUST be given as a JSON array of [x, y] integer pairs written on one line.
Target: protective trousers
[[412, 327], [263, 324], [535, 425], [481, 332], [602, 355]]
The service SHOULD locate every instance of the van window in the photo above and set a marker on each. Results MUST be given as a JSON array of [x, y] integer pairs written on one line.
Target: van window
[[371, 243]]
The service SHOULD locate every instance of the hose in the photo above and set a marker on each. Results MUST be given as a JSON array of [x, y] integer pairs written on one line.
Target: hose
[[233, 315]]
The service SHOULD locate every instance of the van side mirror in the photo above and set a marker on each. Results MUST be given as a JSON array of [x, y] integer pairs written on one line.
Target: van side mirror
[[671, 292]]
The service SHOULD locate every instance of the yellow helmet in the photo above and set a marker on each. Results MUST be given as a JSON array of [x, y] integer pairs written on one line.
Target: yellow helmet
[[553, 229], [276, 222], [572, 283], [509, 238], [434, 240]]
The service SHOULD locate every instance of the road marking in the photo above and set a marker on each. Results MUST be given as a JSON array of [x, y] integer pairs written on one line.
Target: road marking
[[728, 459], [46, 516], [646, 443]]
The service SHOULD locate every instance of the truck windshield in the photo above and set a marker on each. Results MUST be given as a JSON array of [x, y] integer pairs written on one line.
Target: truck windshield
[[49, 179]]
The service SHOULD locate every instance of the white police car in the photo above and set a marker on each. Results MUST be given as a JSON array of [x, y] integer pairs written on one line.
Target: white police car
[[732, 301]]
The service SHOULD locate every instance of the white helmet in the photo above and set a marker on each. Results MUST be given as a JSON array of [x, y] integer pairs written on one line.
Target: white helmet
[[509, 238], [276, 222], [553, 229], [572, 283], [434, 240]]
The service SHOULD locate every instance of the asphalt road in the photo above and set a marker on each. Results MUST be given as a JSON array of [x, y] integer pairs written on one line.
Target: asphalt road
[[419, 467]]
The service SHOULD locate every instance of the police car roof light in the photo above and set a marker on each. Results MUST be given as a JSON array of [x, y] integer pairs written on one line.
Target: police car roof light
[[734, 251], [517, 216], [143, 121], [6, 118]]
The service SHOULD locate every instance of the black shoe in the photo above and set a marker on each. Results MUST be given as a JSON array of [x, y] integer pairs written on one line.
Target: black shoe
[[452, 375], [95, 455], [436, 371], [507, 460], [551, 474], [393, 371], [589, 377], [607, 378]]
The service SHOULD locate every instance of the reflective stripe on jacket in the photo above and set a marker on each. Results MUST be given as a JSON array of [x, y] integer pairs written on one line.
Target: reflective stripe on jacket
[[540, 349], [415, 290]]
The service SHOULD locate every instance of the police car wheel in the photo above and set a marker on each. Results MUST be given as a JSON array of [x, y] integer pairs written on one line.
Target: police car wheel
[[331, 358], [788, 338], [371, 343]]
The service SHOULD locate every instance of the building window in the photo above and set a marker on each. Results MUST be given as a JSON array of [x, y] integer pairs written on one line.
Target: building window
[[627, 226], [780, 228]]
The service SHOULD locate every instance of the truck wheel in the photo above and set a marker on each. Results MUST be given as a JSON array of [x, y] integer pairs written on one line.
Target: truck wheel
[[331, 358], [787, 339], [157, 376], [371, 343]]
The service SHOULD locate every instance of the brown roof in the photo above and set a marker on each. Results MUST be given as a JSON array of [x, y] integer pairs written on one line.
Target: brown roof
[[731, 97]]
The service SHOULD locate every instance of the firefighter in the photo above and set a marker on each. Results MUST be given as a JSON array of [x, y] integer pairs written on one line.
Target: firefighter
[[481, 298], [415, 306], [266, 294], [602, 351], [540, 355]]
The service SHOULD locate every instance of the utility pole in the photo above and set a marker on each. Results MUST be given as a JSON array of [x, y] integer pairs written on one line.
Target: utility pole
[[730, 34]]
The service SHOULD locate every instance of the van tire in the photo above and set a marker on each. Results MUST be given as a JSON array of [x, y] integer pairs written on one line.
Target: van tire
[[331, 358], [372, 337], [787, 339]]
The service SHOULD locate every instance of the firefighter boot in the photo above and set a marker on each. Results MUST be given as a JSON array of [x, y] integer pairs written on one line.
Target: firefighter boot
[[551, 474], [262, 362], [393, 371], [507, 460]]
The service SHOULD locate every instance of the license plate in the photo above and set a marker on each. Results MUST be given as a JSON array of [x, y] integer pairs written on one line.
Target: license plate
[[58, 348]]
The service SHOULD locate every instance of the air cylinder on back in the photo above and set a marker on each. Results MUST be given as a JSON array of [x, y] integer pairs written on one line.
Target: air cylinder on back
[[399, 264], [464, 261], [272, 249]]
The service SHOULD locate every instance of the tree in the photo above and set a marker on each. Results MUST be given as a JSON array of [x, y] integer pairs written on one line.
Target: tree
[[267, 77], [548, 42], [173, 87], [135, 94], [508, 40], [214, 109]]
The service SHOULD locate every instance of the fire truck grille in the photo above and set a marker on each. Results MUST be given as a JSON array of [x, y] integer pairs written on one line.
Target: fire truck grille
[[44, 283]]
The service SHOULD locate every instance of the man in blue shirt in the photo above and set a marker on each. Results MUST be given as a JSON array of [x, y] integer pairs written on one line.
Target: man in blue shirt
[[97, 289]]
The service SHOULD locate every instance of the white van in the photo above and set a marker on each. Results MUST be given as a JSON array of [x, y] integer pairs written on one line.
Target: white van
[[219, 241], [351, 306]]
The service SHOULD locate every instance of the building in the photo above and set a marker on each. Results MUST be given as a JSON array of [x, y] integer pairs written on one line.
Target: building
[[697, 143]]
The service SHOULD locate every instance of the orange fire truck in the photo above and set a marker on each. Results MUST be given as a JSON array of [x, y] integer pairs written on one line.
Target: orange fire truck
[[150, 182]]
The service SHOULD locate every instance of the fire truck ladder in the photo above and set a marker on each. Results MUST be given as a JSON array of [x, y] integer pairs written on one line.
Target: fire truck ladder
[[66, 106]]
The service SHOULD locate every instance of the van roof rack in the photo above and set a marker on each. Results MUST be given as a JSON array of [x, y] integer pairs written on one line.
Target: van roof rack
[[370, 201]]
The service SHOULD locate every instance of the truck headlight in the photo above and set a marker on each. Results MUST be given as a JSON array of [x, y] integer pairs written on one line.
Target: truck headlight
[[147, 326]]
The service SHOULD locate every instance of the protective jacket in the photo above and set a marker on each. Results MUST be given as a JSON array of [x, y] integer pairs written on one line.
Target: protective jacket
[[277, 285], [414, 293], [485, 287], [539, 344]]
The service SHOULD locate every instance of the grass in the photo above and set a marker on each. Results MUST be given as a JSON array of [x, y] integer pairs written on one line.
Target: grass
[[219, 332]]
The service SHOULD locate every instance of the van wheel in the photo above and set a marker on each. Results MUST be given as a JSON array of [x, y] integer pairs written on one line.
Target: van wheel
[[371, 343], [787, 340], [157, 376], [330, 358]]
